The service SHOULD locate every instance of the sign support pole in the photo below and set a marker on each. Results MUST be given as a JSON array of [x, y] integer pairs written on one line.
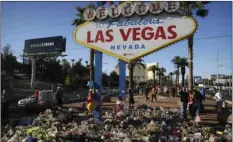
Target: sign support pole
[[98, 75], [33, 75], [122, 76], [98, 78]]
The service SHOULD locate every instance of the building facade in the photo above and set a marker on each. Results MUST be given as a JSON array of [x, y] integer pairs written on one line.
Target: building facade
[[214, 76], [140, 74]]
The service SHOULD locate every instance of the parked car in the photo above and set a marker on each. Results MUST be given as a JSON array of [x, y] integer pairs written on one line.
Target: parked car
[[46, 96], [26, 101]]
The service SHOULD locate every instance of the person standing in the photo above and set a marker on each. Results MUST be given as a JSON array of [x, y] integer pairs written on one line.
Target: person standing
[[59, 96], [218, 97], [5, 104], [131, 97], [203, 93], [190, 103], [146, 91], [184, 102], [197, 103], [154, 94], [36, 95]]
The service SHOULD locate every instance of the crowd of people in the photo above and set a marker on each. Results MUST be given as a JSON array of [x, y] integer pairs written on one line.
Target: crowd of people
[[191, 102]]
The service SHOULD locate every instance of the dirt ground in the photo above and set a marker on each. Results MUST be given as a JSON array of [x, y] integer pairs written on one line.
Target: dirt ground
[[208, 116]]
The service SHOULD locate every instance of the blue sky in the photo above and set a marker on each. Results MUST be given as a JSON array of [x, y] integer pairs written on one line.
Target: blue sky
[[28, 20]]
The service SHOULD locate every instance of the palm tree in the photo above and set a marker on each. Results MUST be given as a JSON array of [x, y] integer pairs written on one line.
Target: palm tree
[[166, 79], [176, 62], [171, 74], [189, 8], [162, 71], [72, 60], [131, 65], [86, 62], [78, 21], [153, 69], [176, 72], [183, 63]]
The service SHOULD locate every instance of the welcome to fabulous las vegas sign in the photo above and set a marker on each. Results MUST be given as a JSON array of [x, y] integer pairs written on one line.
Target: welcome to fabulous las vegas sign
[[128, 36]]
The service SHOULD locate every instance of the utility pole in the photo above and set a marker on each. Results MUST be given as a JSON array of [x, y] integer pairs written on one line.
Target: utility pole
[[33, 75], [217, 66]]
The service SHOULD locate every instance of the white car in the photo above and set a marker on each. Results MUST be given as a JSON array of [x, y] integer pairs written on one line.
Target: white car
[[26, 101]]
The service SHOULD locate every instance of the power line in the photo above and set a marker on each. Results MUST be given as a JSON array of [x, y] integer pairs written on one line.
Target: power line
[[39, 9], [47, 16], [38, 28], [213, 37]]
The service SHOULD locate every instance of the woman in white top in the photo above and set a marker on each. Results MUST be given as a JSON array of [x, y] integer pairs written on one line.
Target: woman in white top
[[218, 97]]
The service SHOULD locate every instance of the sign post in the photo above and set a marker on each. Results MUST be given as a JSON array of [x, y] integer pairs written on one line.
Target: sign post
[[122, 76], [131, 31], [33, 75], [98, 77], [98, 73], [34, 47]]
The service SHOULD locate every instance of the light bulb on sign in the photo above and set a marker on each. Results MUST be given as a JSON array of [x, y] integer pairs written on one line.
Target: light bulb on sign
[[128, 10], [171, 6], [141, 8], [102, 12], [156, 7], [114, 11], [89, 14]]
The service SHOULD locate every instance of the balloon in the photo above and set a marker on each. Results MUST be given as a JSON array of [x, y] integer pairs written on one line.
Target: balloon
[[91, 106]]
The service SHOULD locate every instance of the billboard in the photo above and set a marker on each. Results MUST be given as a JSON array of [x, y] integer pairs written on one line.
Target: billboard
[[45, 45], [133, 36]]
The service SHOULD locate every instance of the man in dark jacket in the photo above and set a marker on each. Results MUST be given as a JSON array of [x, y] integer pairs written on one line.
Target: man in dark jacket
[[59, 96], [184, 102]]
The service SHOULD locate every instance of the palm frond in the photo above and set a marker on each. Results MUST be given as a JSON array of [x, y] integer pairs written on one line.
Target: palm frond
[[202, 13], [80, 9], [184, 62]]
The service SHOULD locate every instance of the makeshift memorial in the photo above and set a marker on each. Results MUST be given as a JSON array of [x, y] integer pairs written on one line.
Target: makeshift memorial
[[72, 125]]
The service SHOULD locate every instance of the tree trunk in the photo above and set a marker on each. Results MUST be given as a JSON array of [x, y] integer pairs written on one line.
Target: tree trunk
[[171, 80], [176, 84], [163, 80], [183, 74], [154, 77], [178, 77], [131, 77], [160, 80], [190, 54], [183, 79], [91, 65]]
